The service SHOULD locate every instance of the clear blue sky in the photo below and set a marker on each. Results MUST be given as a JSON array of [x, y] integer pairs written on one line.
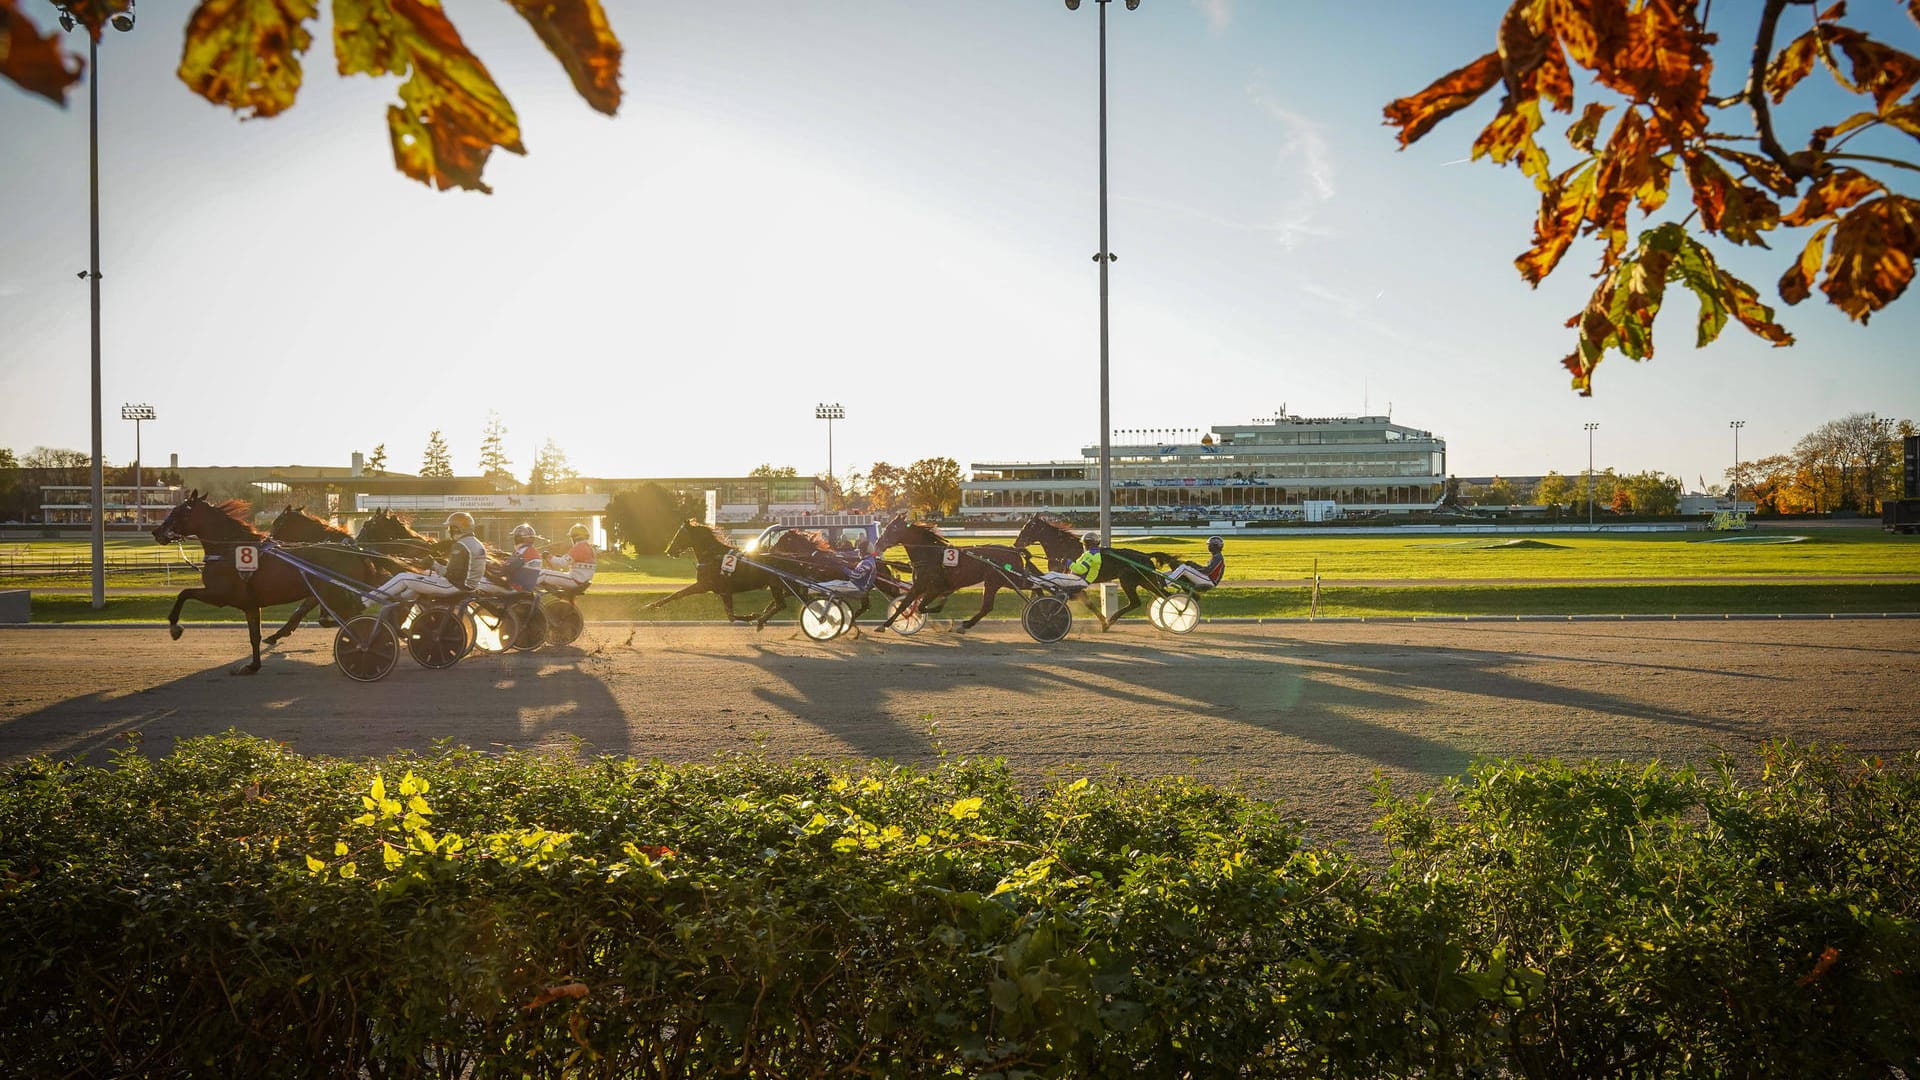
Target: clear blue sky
[[890, 205]]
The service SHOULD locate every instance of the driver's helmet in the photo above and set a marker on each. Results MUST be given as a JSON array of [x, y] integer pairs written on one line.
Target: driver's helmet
[[1092, 540], [1214, 544], [576, 531], [523, 532], [459, 522]]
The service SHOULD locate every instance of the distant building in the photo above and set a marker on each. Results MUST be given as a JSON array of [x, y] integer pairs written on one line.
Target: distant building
[[1263, 469]]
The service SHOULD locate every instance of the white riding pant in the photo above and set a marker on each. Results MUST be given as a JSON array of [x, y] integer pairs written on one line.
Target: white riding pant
[[565, 581], [1191, 573], [404, 587]]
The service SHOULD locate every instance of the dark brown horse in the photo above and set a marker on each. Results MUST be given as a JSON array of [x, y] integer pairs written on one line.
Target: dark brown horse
[[828, 563], [939, 568], [220, 529], [1132, 569], [721, 569], [295, 526]]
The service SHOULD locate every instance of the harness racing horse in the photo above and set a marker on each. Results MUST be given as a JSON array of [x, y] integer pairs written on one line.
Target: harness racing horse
[[295, 526], [1130, 568], [220, 529], [720, 569], [937, 574], [829, 563]]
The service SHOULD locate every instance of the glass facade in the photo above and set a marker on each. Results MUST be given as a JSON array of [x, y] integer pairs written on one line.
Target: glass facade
[[1265, 469]]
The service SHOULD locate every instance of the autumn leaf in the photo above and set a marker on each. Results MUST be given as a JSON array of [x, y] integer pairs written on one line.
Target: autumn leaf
[[1794, 63], [36, 63], [245, 54], [1563, 207], [1883, 71], [1905, 117], [1871, 260], [1766, 170], [451, 113], [1728, 207], [555, 993], [1584, 130], [1831, 194], [578, 35], [1509, 138], [1416, 115], [1797, 283]]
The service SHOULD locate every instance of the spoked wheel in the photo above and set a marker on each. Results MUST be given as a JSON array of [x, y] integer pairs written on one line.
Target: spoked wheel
[[1176, 613], [494, 628], [532, 619], [438, 638], [563, 620], [825, 618], [366, 649], [1047, 619], [909, 623]]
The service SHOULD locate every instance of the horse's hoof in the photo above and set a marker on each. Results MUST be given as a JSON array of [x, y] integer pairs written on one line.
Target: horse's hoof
[[174, 631], [250, 669]]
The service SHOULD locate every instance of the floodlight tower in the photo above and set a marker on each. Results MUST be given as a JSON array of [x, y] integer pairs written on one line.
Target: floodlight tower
[[1590, 426], [138, 414], [1736, 425], [829, 413]]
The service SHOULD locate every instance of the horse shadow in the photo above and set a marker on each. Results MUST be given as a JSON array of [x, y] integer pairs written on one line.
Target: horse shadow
[[554, 698]]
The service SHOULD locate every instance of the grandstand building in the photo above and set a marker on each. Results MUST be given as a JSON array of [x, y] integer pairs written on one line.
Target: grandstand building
[[1278, 468]]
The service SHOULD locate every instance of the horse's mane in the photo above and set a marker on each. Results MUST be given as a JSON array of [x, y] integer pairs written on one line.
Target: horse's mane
[[1058, 523], [239, 510], [929, 528], [805, 538]]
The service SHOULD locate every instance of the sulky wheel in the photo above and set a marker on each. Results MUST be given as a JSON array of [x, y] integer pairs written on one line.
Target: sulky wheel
[[1179, 613], [494, 628], [366, 649], [1047, 619], [438, 638], [825, 618], [909, 623], [1156, 612], [532, 632], [563, 621]]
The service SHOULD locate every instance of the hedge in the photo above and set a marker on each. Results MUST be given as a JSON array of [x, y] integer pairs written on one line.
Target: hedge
[[235, 909]]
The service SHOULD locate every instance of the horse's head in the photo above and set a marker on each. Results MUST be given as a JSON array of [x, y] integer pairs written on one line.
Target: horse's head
[[1058, 541], [893, 534], [203, 520], [695, 536]]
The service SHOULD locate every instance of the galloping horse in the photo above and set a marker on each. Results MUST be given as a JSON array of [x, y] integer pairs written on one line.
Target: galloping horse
[[220, 529], [935, 577], [720, 570], [1125, 565]]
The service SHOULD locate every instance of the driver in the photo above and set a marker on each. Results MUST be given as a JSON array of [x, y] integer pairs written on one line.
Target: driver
[[1202, 577], [572, 571], [1088, 565], [465, 568]]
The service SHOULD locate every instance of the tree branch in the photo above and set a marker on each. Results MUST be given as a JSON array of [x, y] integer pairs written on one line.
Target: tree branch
[[1756, 92], [1895, 162]]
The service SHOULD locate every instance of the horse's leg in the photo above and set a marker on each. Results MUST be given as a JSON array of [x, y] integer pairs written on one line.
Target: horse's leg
[[914, 595], [774, 607], [173, 617], [1133, 601], [253, 635], [696, 587], [986, 604], [293, 624]]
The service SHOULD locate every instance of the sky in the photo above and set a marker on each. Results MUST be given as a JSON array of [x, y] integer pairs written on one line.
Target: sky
[[887, 204]]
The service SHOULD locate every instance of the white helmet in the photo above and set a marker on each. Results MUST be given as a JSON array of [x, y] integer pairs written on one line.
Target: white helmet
[[460, 522], [1092, 540], [524, 531]]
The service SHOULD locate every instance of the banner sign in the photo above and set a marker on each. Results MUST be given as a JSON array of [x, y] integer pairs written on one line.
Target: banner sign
[[590, 504]]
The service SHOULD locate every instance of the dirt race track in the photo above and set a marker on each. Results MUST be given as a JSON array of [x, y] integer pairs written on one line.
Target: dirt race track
[[1304, 711]]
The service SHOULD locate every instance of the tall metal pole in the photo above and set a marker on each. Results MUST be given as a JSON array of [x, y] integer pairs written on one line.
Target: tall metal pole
[[93, 280], [1736, 425], [1590, 428], [1106, 448], [829, 413]]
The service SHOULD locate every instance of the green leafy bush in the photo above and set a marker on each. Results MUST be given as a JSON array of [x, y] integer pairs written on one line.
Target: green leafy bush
[[235, 909]]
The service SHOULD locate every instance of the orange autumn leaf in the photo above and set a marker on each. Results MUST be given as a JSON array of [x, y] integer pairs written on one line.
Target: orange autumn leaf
[[577, 33], [1794, 63], [245, 54], [1509, 138], [36, 63], [1766, 170], [1416, 115], [1727, 206], [555, 993], [1563, 206], [1831, 194], [1797, 283], [1870, 262], [451, 114], [1880, 70]]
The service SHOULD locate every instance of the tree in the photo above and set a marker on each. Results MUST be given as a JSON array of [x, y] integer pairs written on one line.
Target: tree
[[933, 486], [772, 473], [1658, 57], [7, 460], [1557, 490], [1845, 463], [1498, 493], [378, 462], [646, 517], [1647, 493], [437, 462], [551, 472], [493, 449], [247, 57], [886, 487]]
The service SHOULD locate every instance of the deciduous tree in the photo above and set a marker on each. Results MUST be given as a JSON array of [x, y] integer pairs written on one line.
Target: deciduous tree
[[1557, 490], [886, 487], [436, 462], [1647, 493], [771, 472], [1655, 59], [933, 486], [247, 55], [645, 517]]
